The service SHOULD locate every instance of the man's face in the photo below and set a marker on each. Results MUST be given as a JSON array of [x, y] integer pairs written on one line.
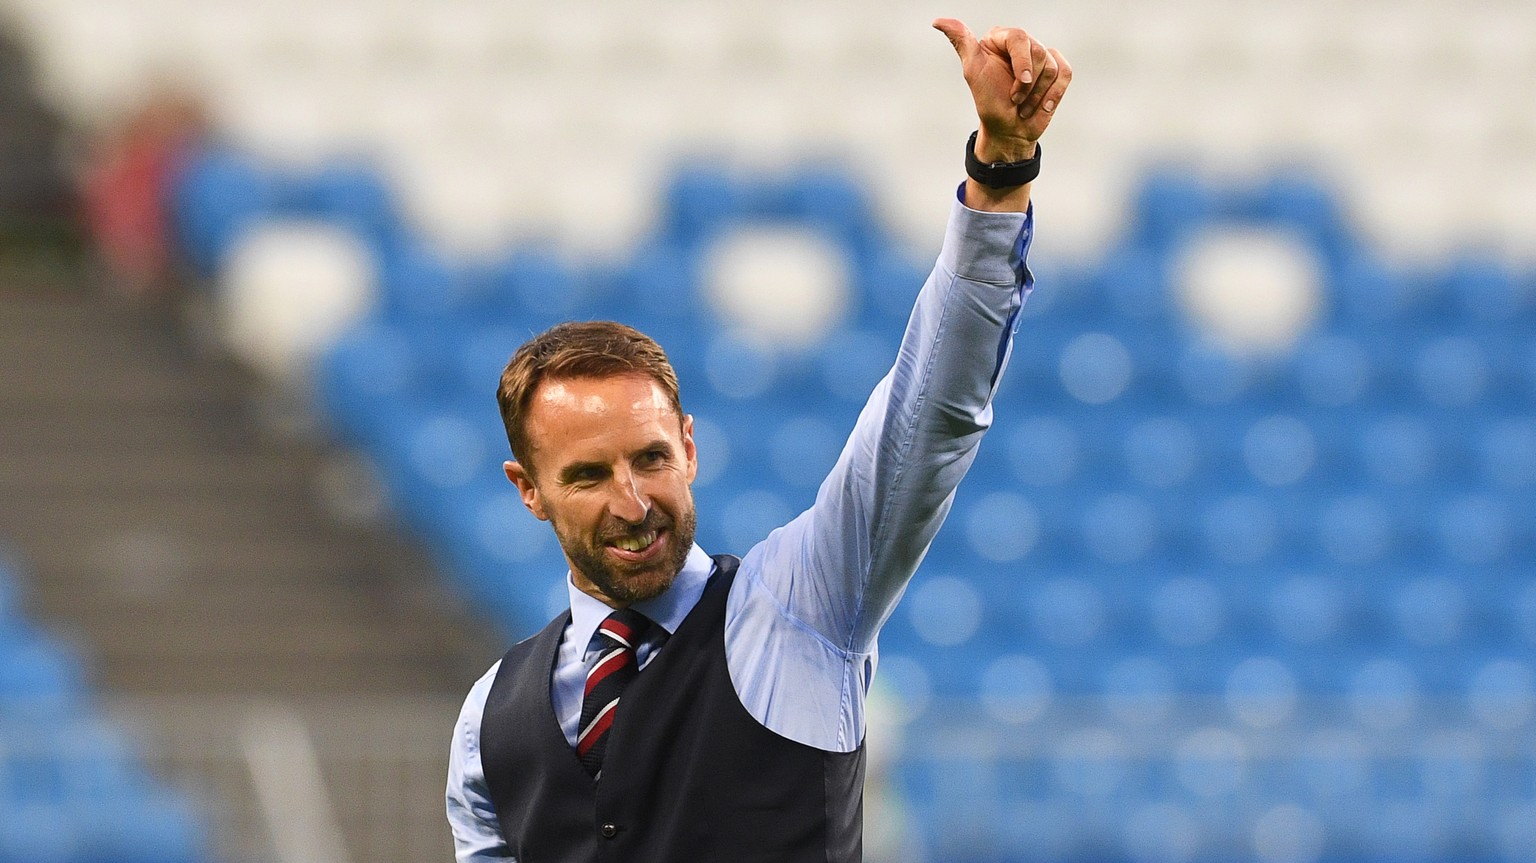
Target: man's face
[[613, 465]]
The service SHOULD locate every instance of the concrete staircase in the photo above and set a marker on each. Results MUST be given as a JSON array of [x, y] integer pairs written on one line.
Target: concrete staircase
[[184, 543]]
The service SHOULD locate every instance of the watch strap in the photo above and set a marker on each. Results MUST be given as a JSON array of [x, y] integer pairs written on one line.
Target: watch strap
[[1000, 175]]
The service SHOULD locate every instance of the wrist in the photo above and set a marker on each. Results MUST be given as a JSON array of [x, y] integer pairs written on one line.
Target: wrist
[[1003, 148]]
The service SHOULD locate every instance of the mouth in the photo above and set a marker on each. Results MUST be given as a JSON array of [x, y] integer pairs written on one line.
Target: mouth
[[637, 547]]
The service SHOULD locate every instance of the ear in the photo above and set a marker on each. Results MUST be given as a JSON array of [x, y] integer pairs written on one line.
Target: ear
[[520, 477], [689, 450]]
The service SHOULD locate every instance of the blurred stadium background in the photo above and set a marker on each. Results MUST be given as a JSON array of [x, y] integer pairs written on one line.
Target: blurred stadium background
[[1245, 571]]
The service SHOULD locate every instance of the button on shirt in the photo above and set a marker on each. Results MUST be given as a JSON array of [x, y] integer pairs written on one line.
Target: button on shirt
[[808, 601]]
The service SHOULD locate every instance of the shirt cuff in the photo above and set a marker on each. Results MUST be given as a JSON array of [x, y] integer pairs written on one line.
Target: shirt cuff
[[986, 247]]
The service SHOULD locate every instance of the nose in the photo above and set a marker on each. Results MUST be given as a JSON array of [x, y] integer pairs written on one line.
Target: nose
[[628, 502]]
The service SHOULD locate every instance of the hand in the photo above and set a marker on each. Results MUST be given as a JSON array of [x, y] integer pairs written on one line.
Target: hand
[[1016, 82]]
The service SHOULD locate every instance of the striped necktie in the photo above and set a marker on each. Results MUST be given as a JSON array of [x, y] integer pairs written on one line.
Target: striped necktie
[[618, 635]]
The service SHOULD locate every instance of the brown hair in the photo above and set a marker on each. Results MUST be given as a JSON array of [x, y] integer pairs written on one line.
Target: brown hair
[[577, 349]]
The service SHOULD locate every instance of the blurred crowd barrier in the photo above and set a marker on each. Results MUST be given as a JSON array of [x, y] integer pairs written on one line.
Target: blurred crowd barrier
[[329, 781]]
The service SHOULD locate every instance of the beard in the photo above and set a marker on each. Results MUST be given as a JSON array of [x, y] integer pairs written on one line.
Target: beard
[[628, 584]]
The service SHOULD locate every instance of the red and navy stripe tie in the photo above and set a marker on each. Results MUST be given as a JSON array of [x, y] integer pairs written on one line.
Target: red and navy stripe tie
[[619, 635]]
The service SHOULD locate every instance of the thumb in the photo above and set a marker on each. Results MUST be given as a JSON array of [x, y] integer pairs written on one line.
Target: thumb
[[959, 36]]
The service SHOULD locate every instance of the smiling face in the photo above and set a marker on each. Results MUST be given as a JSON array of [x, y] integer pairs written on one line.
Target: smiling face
[[610, 465]]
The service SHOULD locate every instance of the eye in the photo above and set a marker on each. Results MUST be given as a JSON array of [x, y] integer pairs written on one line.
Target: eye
[[654, 456], [586, 476]]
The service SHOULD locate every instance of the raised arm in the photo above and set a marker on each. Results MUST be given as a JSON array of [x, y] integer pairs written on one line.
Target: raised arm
[[838, 569]]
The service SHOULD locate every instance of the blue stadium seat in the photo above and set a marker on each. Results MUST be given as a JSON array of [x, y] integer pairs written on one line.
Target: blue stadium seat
[[829, 200], [1280, 450], [738, 513], [802, 449], [159, 828], [418, 284], [218, 195], [1043, 450], [1484, 290], [1501, 693], [700, 203], [1168, 205], [38, 674], [1332, 370], [1475, 529], [658, 292], [1506, 452], [999, 527], [348, 193], [944, 610], [1370, 292], [737, 367], [1383, 693], [72, 788], [1241, 529], [1299, 201], [534, 289], [1016, 688], [1121, 528], [1138, 689], [1310, 609], [1096, 368], [1209, 375], [1429, 611], [1162, 452], [1188, 611], [1358, 529], [886, 285], [1129, 291], [1452, 372], [1399, 449], [370, 367], [1262, 691]]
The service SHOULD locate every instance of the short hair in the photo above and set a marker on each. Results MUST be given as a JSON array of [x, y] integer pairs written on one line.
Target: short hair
[[577, 349]]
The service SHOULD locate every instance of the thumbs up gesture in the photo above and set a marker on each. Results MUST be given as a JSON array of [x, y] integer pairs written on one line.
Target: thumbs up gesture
[[1017, 83]]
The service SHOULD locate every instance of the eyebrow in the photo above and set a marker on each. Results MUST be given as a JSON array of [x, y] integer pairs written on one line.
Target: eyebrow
[[569, 473]]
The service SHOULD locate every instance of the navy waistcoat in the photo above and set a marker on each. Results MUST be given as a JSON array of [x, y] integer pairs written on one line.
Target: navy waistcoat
[[689, 775]]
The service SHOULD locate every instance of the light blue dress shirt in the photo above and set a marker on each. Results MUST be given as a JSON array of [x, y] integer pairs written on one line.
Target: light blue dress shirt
[[808, 602]]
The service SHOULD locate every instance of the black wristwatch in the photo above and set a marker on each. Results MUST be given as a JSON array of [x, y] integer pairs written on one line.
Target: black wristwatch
[[1000, 175]]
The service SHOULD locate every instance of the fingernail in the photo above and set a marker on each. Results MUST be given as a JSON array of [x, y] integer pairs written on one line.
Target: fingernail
[[1027, 76], [1049, 106], [1018, 98]]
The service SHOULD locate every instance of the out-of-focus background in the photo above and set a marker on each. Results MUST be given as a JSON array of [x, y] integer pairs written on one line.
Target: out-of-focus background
[[1244, 571]]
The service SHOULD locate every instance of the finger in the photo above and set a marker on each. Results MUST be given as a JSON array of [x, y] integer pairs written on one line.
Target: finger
[[959, 36], [1052, 96], [1025, 56], [1044, 79]]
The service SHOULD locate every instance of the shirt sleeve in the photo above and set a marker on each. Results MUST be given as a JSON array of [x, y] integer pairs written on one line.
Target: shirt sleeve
[[812, 597], [471, 816]]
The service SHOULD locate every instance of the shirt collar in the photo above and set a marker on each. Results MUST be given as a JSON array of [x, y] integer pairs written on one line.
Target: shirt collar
[[666, 610]]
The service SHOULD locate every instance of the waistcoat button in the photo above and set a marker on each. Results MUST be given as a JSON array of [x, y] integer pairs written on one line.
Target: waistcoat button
[[609, 830]]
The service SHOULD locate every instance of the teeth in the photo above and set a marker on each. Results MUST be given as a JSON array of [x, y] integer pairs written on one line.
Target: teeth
[[635, 543]]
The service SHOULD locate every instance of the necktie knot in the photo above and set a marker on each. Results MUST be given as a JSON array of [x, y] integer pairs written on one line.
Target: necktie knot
[[626, 627]]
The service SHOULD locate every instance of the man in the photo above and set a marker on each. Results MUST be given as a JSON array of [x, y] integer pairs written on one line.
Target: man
[[692, 709]]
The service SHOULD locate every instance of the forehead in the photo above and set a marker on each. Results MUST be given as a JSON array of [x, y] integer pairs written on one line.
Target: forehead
[[575, 416]]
